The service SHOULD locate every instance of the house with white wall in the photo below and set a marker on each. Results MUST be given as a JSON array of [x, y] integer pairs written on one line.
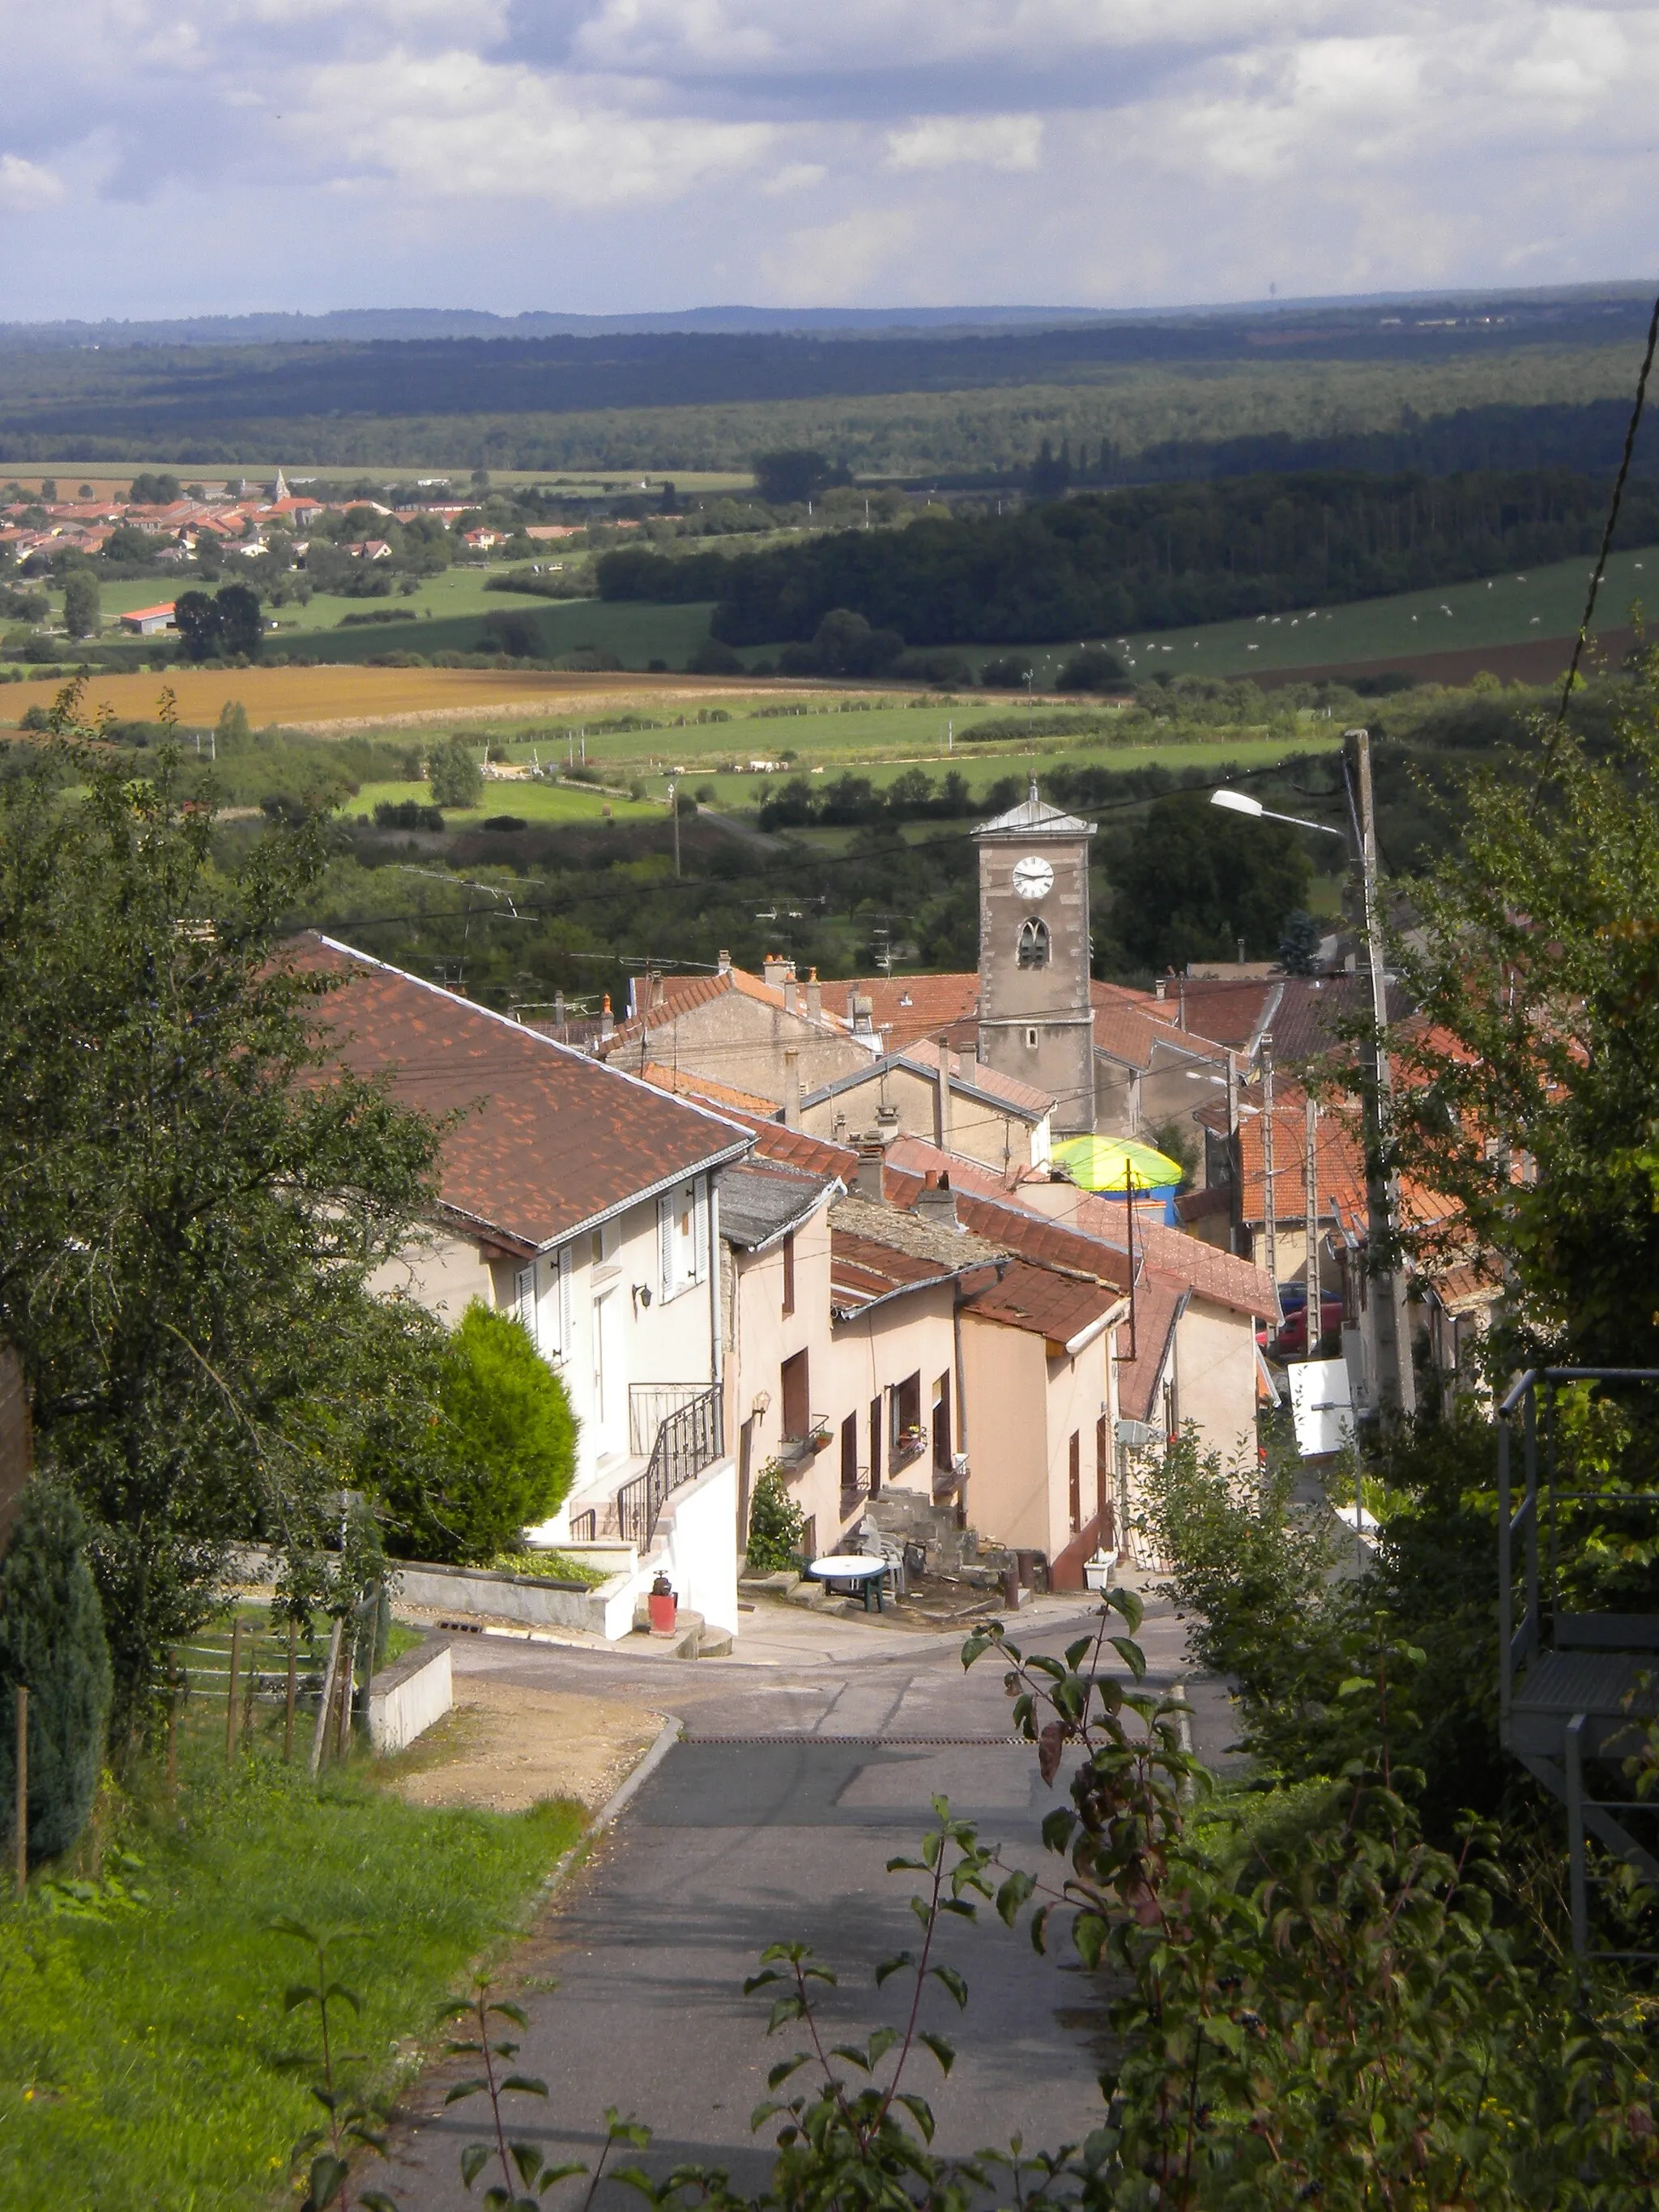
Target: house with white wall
[[586, 1203]]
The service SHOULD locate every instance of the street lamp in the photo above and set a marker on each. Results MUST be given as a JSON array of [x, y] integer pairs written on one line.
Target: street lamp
[[1396, 1385]]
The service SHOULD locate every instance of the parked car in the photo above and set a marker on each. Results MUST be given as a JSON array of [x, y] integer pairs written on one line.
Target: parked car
[[1292, 1341]]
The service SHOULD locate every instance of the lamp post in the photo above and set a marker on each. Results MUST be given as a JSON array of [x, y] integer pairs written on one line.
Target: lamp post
[[1396, 1388]]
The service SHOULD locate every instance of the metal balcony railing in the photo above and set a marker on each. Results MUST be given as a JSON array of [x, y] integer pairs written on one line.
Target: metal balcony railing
[[688, 1440], [649, 1405]]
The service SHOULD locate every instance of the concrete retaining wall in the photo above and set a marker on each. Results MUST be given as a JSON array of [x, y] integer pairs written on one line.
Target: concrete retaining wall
[[406, 1698], [531, 1599]]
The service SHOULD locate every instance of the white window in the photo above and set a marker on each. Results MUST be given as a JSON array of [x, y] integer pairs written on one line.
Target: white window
[[541, 1300], [683, 1237]]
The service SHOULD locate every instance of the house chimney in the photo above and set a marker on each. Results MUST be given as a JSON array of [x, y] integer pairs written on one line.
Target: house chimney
[[936, 1203], [778, 971], [872, 1182], [658, 994], [558, 1010], [607, 1025], [1240, 951], [790, 1087], [724, 960], [792, 995], [942, 1098], [864, 1013], [1180, 1019], [1158, 988], [814, 995]]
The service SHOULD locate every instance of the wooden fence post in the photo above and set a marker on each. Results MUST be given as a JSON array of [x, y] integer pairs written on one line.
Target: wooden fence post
[[288, 1717], [230, 1695], [23, 1789]]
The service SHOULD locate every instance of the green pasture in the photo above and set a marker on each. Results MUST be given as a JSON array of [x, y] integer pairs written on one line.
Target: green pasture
[[543, 804], [1506, 609]]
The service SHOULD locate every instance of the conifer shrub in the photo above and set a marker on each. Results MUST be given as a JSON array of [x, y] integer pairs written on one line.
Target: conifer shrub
[[776, 1525], [505, 1447], [51, 1643]]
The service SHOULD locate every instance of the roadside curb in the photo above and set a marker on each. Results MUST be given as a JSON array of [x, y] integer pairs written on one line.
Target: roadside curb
[[673, 1729]]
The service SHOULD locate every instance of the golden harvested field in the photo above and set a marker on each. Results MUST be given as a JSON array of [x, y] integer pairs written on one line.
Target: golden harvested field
[[345, 697]]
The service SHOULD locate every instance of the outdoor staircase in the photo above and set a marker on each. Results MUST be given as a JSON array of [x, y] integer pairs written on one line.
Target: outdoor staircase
[[1575, 1690]]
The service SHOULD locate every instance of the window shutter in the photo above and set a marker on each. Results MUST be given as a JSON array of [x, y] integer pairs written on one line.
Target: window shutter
[[700, 1230], [666, 1245], [524, 1298], [564, 1302]]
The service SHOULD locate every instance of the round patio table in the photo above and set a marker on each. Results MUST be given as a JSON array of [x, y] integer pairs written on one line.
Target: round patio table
[[867, 1576]]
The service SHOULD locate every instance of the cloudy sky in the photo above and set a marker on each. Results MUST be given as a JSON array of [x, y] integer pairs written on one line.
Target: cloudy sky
[[218, 155]]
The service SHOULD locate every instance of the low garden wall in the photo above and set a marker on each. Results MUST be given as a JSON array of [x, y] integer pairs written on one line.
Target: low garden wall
[[407, 1697]]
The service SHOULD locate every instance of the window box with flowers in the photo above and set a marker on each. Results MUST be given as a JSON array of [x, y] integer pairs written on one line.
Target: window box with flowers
[[908, 1444]]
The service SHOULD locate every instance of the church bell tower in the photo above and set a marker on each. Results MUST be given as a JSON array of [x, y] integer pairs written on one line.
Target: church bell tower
[[1035, 1016]]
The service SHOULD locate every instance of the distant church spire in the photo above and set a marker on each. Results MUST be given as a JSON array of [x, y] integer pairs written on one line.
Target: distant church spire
[[281, 492]]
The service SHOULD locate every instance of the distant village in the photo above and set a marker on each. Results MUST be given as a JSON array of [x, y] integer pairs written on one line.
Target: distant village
[[902, 1244]]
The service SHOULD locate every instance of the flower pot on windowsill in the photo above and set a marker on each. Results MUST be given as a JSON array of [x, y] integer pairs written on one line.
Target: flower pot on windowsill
[[820, 1440]]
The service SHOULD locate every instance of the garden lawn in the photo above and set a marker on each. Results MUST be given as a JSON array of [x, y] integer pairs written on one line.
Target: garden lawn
[[141, 2053]]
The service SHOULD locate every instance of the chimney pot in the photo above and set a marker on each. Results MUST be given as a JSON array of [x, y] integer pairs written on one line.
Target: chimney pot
[[724, 959], [814, 994], [871, 1181]]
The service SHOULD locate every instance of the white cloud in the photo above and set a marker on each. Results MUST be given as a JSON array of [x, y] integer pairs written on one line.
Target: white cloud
[[667, 149], [834, 263], [454, 126], [795, 177], [950, 141], [25, 187]]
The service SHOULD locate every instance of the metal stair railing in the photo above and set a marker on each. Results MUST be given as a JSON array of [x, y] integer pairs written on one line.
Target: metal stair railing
[[688, 1440]]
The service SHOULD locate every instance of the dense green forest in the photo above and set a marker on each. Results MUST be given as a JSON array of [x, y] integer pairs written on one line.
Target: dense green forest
[[908, 407], [1104, 563]]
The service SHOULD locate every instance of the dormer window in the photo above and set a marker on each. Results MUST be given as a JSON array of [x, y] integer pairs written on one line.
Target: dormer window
[[1034, 944]]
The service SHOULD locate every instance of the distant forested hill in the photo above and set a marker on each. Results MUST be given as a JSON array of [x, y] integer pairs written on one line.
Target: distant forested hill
[[1175, 396], [1105, 563]]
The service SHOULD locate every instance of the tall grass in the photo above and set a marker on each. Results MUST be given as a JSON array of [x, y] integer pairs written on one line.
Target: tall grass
[[141, 2042]]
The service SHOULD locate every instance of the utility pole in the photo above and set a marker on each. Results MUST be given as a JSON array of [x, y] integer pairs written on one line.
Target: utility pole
[[1396, 1386], [1310, 1196], [674, 816], [1270, 1215]]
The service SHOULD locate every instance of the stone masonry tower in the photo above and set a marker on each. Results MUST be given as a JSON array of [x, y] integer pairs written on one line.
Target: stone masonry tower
[[1035, 1018]]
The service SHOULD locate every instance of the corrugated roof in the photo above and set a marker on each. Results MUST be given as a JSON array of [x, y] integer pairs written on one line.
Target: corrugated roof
[[761, 1202], [545, 1140]]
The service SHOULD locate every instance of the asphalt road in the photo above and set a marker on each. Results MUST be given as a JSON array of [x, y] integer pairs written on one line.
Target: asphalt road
[[774, 1820]]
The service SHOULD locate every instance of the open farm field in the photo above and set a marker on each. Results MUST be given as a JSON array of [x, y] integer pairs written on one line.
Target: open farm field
[[634, 632], [459, 591], [541, 806], [345, 697]]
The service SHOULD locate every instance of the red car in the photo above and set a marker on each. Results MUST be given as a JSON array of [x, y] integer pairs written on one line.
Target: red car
[[1292, 1341]]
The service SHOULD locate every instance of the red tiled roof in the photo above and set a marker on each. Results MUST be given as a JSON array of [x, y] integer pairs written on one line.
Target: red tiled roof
[[545, 1139], [1046, 1304], [1023, 1097], [1159, 1301], [909, 1007], [723, 1095], [1130, 1025], [1341, 1162]]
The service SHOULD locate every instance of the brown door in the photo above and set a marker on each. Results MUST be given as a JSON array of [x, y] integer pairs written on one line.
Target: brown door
[[875, 1448], [849, 1456], [1076, 1482], [797, 1397], [745, 1475], [941, 1420]]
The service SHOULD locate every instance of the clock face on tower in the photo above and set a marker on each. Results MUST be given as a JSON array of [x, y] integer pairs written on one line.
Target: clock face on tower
[[1033, 877]]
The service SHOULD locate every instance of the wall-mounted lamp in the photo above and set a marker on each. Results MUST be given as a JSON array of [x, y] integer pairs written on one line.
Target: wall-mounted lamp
[[759, 1403], [641, 1294]]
